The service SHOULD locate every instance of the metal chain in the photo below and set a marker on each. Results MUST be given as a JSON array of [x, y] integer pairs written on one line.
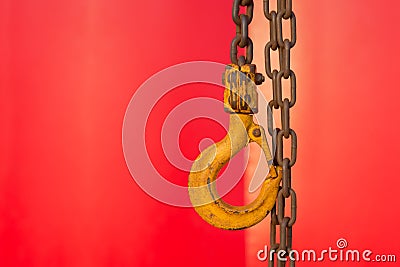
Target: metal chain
[[242, 39], [283, 45]]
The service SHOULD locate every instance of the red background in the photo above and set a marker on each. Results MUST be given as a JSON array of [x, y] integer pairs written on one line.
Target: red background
[[67, 72]]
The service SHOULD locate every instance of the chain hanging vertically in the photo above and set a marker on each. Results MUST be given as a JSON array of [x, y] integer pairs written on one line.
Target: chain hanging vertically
[[284, 12], [242, 38]]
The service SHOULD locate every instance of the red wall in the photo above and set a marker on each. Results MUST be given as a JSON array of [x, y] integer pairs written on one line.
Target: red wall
[[67, 72], [346, 177]]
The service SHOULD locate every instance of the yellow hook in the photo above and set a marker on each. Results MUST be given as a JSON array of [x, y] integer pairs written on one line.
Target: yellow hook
[[242, 130]]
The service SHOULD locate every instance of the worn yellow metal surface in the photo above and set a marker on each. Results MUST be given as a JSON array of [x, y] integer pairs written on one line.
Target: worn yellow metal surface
[[240, 95], [202, 189]]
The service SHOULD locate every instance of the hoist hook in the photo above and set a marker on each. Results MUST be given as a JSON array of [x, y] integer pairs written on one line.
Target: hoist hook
[[242, 130]]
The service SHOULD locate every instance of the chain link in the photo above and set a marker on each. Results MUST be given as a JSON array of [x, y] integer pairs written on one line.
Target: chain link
[[283, 46], [277, 41], [242, 39]]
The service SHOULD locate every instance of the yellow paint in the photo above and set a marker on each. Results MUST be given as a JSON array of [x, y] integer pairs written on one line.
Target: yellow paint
[[202, 189]]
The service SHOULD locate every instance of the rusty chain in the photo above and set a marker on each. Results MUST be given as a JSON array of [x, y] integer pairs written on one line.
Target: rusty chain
[[283, 46], [242, 39], [277, 43]]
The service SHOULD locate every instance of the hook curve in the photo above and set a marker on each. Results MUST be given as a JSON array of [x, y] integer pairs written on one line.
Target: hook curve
[[202, 189]]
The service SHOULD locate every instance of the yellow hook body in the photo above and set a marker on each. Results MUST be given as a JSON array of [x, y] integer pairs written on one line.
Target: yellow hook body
[[241, 101], [202, 189]]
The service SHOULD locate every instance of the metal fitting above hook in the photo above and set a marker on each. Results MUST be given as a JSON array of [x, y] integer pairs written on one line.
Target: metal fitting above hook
[[240, 95]]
